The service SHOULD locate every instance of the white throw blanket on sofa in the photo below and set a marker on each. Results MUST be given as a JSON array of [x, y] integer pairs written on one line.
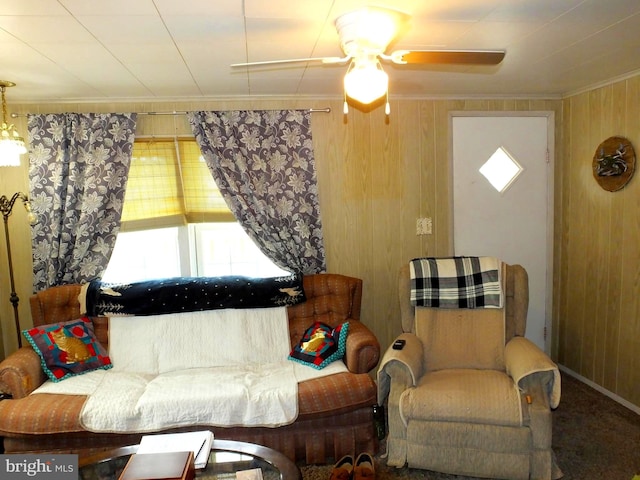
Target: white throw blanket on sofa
[[219, 367]]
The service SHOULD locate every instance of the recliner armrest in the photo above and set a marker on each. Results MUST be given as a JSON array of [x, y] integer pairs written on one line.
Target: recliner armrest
[[21, 373], [525, 362], [363, 349], [408, 361]]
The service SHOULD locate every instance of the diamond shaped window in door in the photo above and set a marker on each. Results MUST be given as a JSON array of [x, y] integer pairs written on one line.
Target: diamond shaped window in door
[[501, 170]]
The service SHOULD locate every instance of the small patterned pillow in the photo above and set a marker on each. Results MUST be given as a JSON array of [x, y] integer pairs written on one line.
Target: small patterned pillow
[[68, 348], [320, 345]]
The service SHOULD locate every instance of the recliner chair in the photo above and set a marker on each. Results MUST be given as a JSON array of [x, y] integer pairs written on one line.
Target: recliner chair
[[467, 394]]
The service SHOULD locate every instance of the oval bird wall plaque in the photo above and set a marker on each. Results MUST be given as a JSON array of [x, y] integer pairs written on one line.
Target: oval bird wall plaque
[[614, 163]]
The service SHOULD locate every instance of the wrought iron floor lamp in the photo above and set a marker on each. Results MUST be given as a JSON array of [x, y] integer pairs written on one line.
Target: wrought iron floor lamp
[[6, 207]]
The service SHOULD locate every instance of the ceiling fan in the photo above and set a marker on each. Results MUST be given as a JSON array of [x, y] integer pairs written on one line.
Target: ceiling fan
[[365, 35]]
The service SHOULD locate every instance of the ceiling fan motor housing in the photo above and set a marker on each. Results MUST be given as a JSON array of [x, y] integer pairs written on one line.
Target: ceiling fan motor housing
[[369, 30]]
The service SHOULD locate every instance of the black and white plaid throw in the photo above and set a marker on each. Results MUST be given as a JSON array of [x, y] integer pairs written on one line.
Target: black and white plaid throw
[[456, 282]]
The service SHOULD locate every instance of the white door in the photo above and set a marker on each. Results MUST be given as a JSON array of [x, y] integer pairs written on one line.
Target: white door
[[516, 224]]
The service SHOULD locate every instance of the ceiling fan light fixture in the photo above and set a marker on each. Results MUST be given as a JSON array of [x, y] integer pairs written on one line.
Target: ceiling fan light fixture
[[369, 29], [365, 35], [366, 81], [11, 143]]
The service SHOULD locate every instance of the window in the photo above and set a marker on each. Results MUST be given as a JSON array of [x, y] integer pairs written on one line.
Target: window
[[197, 250], [501, 170], [176, 223], [145, 255], [226, 249]]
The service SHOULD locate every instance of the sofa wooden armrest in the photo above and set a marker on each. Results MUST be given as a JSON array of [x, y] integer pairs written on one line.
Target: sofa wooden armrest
[[21, 373]]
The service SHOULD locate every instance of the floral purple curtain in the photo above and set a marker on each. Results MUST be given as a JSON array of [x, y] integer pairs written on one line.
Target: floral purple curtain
[[79, 165], [263, 164]]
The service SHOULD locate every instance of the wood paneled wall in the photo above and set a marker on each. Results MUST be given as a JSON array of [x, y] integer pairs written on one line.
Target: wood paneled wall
[[598, 248], [376, 177]]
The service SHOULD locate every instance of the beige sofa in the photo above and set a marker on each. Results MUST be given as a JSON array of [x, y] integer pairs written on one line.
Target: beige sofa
[[335, 412]]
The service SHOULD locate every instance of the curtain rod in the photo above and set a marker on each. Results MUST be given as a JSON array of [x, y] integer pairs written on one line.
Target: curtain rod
[[184, 112]]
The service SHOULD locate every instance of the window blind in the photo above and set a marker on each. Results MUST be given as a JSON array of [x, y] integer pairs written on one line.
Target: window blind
[[170, 185]]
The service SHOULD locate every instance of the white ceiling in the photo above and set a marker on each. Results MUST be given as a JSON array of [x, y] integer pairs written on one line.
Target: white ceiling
[[90, 50]]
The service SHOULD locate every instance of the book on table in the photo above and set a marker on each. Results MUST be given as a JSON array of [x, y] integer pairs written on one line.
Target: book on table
[[251, 474], [198, 442], [159, 466]]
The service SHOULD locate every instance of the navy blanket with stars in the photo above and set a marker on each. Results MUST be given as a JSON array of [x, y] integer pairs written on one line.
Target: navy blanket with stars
[[189, 294]]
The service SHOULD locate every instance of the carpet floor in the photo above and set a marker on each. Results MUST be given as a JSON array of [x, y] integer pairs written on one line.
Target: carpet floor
[[594, 438]]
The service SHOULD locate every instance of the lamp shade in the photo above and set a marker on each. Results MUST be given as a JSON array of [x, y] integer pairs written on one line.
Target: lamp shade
[[365, 81], [11, 147], [11, 143]]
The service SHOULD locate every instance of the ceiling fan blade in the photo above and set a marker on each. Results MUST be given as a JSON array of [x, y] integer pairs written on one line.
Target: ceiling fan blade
[[326, 60], [467, 57]]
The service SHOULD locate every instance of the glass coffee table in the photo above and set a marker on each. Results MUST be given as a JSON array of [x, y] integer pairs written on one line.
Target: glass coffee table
[[226, 458]]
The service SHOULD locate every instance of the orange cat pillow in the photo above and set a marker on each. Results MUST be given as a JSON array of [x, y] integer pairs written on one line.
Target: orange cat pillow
[[320, 345], [68, 348]]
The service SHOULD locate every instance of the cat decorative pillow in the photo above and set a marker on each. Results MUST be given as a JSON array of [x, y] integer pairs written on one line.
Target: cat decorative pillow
[[68, 348], [320, 345]]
